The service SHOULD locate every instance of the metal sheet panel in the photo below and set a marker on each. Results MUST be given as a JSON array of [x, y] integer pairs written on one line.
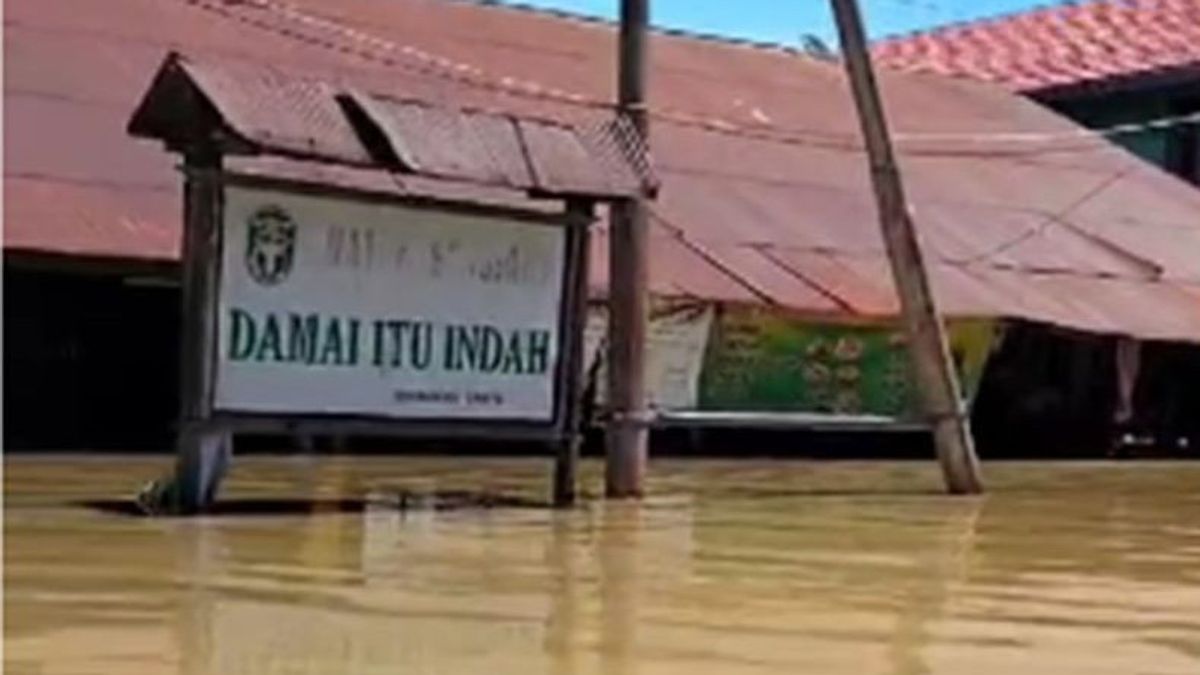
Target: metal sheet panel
[[450, 143], [280, 111], [862, 284], [1022, 240], [678, 271], [47, 215], [770, 280], [565, 162], [87, 145], [1152, 310]]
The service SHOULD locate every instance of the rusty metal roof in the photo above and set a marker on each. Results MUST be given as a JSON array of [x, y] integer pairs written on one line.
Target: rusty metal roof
[[270, 110], [249, 109], [764, 193]]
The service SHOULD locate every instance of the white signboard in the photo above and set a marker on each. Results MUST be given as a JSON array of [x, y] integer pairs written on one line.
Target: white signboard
[[333, 306]]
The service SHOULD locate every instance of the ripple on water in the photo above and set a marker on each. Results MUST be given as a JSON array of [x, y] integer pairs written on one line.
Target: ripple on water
[[755, 567]]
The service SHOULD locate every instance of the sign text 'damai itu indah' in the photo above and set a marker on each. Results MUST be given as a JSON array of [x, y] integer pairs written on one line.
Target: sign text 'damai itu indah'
[[342, 307]]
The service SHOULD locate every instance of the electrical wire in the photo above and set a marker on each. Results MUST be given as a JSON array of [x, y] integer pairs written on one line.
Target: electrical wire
[[424, 63]]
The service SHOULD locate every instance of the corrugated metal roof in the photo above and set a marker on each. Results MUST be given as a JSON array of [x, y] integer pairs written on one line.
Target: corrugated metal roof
[[278, 110], [451, 144], [92, 219], [253, 110], [765, 195], [1076, 44]]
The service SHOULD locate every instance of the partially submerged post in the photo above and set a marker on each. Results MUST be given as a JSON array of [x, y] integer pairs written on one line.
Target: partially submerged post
[[927, 345], [322, 295], [202, 451], [566, 466], [628, 279]]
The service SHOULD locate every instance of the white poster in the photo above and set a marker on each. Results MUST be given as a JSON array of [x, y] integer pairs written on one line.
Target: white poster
[[334, 306], [675, 348]]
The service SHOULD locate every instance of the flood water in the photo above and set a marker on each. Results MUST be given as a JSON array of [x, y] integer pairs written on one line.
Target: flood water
[[728, 567]]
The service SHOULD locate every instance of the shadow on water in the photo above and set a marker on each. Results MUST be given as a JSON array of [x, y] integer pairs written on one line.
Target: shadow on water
[[867, 493], [441, 501], [400, 500]]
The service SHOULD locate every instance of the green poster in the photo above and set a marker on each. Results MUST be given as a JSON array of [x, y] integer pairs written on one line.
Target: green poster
[[759, 360]]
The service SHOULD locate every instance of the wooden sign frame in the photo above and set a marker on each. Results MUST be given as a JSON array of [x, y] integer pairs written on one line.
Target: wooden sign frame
[[204, 435], [203, 261]]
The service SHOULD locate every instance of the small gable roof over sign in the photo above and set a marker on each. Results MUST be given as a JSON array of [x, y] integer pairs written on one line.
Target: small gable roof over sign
[[256, 110]]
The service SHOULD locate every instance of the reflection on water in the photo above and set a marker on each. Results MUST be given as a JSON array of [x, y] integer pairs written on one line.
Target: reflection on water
[[728, 567]]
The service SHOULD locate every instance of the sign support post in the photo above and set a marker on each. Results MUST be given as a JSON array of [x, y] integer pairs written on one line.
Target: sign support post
[[202, 450], [350, 305], [580, 214], [241, 352]]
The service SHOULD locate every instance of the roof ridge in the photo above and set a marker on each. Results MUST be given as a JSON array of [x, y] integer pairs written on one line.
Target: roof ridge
[[1000, 17]]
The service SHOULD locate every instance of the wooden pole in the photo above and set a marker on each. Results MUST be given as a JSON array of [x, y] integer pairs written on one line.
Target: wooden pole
[[628, 279], [580, 214], [203, 453], [927, 345]]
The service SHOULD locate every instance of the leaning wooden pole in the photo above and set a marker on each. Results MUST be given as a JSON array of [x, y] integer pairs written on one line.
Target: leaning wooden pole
[[927, 345], [628, 279]]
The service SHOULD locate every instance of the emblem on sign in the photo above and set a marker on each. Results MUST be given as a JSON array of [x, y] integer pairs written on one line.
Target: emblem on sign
[[270, 245]]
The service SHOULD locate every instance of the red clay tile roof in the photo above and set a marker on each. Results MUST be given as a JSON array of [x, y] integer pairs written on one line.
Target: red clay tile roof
[[1065, 46]]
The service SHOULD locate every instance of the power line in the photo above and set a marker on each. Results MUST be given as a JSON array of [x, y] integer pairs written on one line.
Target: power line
[[425, 63], [1157, 124], [418, 60], [923, 5]]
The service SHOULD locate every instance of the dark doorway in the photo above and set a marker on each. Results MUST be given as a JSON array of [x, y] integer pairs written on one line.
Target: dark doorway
[[89, 361], [1047, 393], [1051, 393]]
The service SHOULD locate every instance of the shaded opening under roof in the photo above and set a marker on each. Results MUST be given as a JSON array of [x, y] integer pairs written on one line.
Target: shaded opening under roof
[[370, 134]]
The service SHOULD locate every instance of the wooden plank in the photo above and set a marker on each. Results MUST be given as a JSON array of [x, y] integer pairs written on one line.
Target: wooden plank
[[534, 214], [241, 423]]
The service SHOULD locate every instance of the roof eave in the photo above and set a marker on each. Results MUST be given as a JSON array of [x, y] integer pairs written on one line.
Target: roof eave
[[1126, 83]]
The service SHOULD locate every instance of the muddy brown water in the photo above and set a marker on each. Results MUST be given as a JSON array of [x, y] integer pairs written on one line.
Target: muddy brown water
[[727, 567]]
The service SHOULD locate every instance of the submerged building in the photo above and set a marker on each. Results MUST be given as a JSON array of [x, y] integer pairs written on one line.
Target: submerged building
[[1058, 257]]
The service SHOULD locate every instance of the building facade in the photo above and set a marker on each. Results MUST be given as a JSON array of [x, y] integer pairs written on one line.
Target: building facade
[[765, 214]]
